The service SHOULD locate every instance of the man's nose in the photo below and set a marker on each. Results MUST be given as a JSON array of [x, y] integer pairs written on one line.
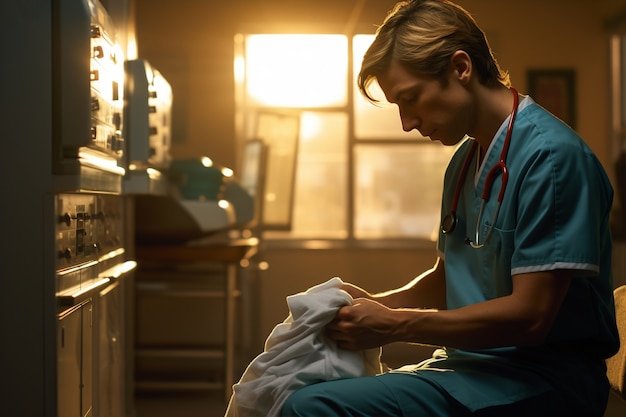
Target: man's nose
[[409, 122]]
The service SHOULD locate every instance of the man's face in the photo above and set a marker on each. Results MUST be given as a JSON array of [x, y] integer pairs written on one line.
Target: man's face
[[437, 111]]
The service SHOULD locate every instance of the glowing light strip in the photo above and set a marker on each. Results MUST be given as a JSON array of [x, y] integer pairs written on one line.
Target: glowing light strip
[[119, 270]]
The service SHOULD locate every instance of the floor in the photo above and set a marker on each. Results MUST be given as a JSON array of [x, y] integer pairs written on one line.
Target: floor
[[180, 404], [214, 403], [203, 404], [616, 408]]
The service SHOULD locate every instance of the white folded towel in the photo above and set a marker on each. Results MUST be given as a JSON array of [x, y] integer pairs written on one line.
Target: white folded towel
[[297, 353]]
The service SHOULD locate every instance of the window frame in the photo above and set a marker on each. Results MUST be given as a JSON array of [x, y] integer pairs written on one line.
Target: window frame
[[281, 239]]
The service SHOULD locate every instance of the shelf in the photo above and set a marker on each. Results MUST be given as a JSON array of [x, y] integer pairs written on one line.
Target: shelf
[[160, 289], [232, 251], [202, 270], [190, 385], [184, 353]]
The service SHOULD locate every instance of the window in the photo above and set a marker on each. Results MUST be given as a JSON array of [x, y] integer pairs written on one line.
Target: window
[[357, 176]]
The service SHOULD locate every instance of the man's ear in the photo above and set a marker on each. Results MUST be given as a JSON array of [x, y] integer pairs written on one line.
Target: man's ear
[[462, 66]]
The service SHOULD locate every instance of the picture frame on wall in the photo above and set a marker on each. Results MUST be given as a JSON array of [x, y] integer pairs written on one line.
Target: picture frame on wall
[[555, 90]]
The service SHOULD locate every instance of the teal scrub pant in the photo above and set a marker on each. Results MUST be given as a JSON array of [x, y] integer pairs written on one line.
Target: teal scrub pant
[[399, 394], [374, 396]]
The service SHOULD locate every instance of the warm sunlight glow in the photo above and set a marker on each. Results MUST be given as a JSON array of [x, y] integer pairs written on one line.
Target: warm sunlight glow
[[131, 49], [206, 161], [95, 159], [153, 173], [297, 70], [227, 172], [310, 126], [239, 69], [380, 121]]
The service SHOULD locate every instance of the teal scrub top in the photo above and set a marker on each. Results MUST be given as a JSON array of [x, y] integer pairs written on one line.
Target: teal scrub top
[[554, 215]]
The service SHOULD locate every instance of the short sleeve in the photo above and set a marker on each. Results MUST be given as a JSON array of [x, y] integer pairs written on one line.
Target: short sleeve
[[563, 202]]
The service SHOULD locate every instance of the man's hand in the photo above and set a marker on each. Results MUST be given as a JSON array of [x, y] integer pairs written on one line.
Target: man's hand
[[364, 325]]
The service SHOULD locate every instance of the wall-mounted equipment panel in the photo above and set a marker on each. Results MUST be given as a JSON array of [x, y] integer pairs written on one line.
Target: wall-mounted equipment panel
[[88, 98]]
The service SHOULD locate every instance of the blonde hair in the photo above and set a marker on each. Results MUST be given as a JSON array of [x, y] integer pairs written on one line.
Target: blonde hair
[[423, 35]]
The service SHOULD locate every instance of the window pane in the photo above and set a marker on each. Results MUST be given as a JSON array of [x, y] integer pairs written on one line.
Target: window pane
[[297, 70], [321, 193], [380, 121], [280, 132], [398, 189]]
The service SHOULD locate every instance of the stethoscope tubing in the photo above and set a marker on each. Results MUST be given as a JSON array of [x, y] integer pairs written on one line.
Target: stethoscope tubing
[[450, 220]]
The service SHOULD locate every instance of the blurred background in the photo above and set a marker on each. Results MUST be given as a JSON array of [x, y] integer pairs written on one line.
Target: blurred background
[[231, 164]]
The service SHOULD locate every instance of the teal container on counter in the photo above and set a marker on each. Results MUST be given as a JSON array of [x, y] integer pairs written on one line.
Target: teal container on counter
[[198, 179]]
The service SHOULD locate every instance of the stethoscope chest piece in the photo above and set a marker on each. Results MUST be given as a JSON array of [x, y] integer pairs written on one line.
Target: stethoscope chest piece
[[449, 223]]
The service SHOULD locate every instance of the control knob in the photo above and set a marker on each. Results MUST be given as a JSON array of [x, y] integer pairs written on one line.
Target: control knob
[[66, 218], [65, 254]]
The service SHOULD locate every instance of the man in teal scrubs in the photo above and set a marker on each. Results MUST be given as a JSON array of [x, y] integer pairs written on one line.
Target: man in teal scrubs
[[520, 296]]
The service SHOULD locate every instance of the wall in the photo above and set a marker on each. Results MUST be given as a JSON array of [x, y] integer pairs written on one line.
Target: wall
[[27, 299], [191, 43]]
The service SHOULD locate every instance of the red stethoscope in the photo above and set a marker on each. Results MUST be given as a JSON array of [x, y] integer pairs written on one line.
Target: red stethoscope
[[450, 220]]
